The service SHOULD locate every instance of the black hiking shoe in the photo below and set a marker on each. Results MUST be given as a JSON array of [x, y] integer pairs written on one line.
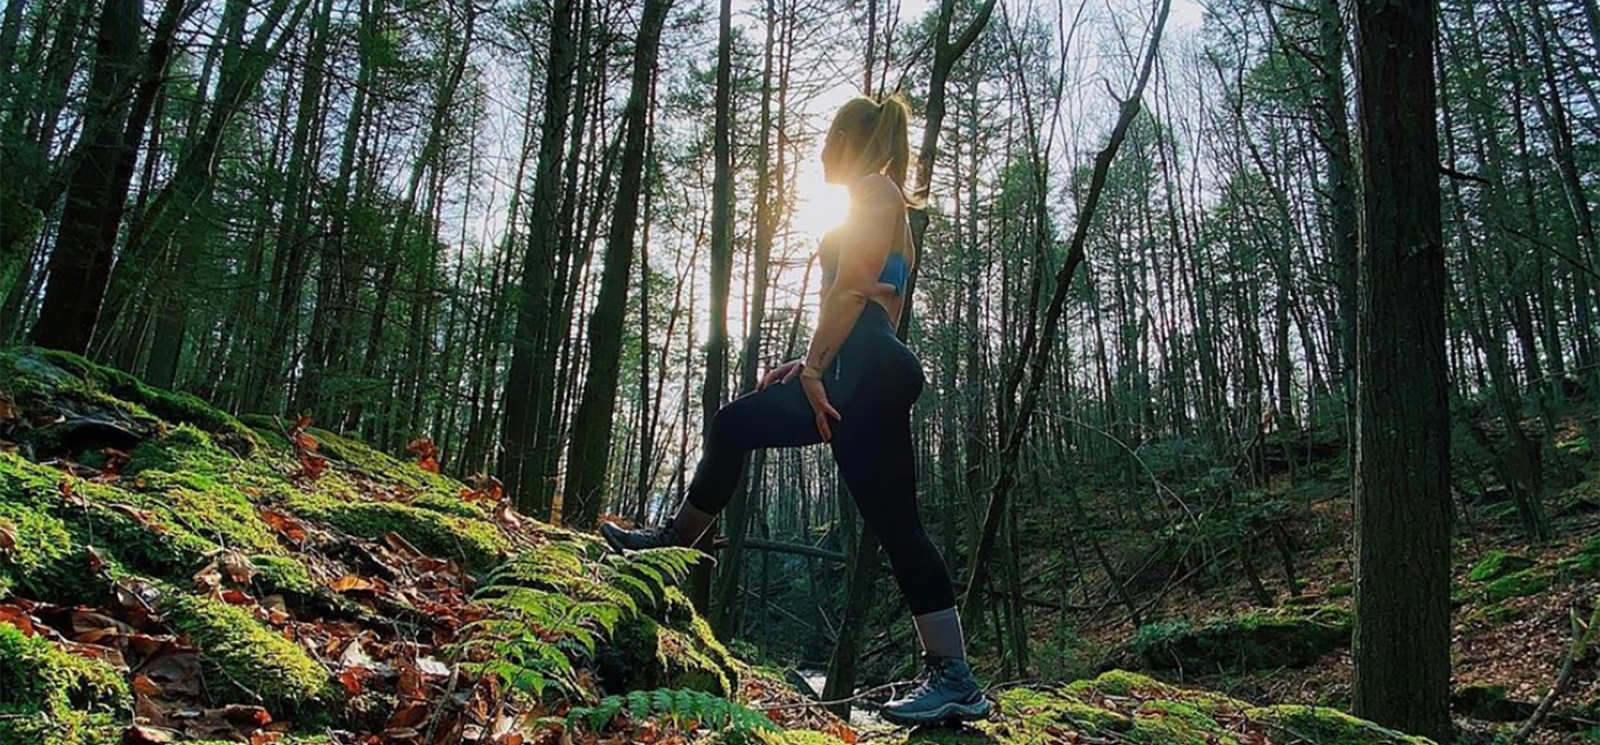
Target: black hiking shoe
[[945, 691], [638, 539]]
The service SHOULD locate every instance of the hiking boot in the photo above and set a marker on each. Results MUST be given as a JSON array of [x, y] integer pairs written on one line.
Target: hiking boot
[[638, 539], [945, 691]]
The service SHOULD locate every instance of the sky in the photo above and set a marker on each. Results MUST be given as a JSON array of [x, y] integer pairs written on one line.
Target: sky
[[819, 206], [483, 209]]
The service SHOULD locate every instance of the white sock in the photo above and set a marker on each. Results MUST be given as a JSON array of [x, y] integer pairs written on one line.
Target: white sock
[[940, 632]]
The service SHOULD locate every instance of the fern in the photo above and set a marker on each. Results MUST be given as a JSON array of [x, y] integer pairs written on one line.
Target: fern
[[560, 600], [685, 708]]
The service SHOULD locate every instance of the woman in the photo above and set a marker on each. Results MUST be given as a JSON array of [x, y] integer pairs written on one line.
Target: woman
[[855, 389]]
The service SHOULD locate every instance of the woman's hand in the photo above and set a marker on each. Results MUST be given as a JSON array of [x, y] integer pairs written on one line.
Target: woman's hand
[[818, 396], [781, 375]]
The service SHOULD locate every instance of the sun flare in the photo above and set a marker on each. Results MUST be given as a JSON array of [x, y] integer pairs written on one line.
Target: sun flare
[[819, 206]]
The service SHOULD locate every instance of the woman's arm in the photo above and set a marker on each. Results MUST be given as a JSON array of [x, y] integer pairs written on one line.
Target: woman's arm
[[865, 241]]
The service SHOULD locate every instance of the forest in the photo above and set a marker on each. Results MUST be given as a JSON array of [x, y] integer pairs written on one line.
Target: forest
[[1261, 341]]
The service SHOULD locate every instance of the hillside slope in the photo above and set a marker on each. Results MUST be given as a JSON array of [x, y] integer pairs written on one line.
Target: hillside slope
[[169, 573]]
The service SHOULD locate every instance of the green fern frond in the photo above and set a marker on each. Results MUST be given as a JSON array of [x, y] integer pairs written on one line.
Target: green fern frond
[[680, 706]]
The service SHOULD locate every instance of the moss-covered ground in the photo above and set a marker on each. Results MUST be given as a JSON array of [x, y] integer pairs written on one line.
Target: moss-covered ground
[[169, 571]]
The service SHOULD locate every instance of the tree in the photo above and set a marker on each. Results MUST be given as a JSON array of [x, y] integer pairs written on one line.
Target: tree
[[1402, 450], [121, 94], [592, 425], [521, 465]]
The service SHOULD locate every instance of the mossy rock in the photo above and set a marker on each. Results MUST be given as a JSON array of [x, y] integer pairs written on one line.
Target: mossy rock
[[477, 544], [49, 696], [1494, 613], [771, 737], [1519, 584], [1587, 559], [1497, 564], [39, 375], [1341, 590], [283, 575], [1124, 707], [250, 660], [1287, 637], [168, 405], [1324, 726], [673, 647], [1039, 709], [105, 525], [1489, 703], [42, 548]]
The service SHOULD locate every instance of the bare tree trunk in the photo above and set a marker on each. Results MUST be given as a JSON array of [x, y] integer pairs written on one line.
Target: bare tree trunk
[[1402, 471], [591, 431], [520, 466]]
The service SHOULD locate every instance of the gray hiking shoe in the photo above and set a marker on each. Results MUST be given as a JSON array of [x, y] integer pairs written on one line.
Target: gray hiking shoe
[[945, 691], [638, 539]]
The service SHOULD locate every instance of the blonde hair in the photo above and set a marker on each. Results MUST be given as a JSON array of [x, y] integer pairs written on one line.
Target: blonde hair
[[877, 134]]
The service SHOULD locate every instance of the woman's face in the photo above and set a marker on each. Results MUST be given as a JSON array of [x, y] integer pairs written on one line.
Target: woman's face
[[832, 154]]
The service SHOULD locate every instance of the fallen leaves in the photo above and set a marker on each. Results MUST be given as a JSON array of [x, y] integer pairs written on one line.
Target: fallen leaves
[[484, 488], [8, 535], [285, 526], [427, 453], [312, 464]]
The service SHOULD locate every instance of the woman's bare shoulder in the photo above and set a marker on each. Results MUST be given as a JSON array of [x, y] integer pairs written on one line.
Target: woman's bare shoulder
[[883, 191]]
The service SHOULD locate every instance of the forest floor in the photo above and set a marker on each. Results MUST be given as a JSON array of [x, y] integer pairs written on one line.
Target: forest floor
[[169, 573], [1513, 604]]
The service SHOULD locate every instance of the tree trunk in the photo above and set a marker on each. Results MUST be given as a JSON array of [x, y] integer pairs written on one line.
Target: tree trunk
[[121, 95], [587, 457], [521, 467], [1402, 472]]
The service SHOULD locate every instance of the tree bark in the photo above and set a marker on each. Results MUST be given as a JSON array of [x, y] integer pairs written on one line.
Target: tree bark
[[591, 432], [520, 466], [1402, 472]]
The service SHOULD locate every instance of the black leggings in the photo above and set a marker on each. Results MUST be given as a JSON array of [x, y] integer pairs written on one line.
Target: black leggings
[[873, 381]]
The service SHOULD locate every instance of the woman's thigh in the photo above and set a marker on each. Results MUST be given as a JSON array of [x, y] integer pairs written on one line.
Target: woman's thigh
[[777, 416]]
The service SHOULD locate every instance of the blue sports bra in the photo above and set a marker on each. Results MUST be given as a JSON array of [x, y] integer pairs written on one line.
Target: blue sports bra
[[895, 270]]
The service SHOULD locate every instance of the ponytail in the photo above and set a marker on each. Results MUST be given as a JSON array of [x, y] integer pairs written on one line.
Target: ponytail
[[891, 138], [878, 130]]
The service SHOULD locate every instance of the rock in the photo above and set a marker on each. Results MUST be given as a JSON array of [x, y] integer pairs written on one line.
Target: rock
[[1287, 637], [1519, 584], [1489, 702], [1497, 564]]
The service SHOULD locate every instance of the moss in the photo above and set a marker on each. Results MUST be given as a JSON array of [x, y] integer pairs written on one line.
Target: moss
[[1497, 564], [1288, 637], [282, 575], [1039, 709], [1178, 723], [365, 458], [170, 406], [268, 429], [125, 528], [51, 697], [1120, 683], [478, 544], [1519, 584], [43, 547], [251, 659], [210, 507], [802, 737], [184, 448], [1494, 613], [1327, 727], [1341, 590], [1586, 560], [672, 647]]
